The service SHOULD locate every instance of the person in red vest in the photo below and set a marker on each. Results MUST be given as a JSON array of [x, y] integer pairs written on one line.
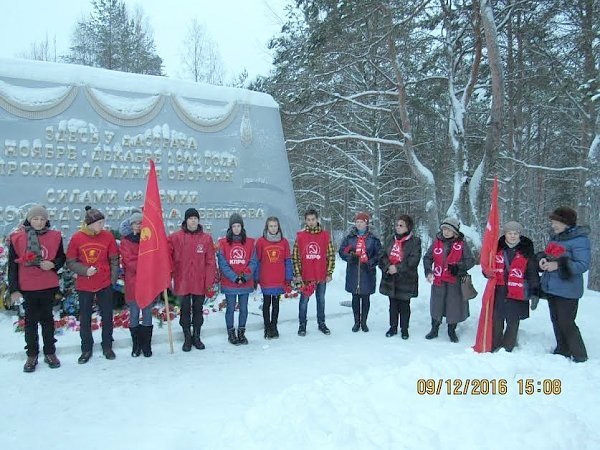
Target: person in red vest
[[274, 272], [194, 271], [447, 260], [517, 282], [314, 262], [93, 256], [141, 336], [237, 263], [360, 249], [35, 255]]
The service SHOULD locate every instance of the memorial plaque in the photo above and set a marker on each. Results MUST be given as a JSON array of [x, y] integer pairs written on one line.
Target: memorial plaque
[[73, 136]]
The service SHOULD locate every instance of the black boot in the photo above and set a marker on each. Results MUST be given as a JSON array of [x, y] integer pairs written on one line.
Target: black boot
[[30, 364], [136, 348], [268, 334], [391, 332], [146, 341], [452, 332], [231, 337], [356, 327], [435, 327], [242, 336], [355, 310], [187, 339], [404, 333], [274, 330], [196, 339], [363, 318], [302, 329]]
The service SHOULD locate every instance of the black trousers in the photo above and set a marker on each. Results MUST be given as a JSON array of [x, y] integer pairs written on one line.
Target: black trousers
[[38, 309], [268, 302], [501, 337], [399, 307], [191, 312], [563, 312], [360, 307], [104, 300]]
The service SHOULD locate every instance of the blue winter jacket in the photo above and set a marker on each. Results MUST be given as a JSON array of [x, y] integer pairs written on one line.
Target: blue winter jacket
[[567, 281], [361, 281]]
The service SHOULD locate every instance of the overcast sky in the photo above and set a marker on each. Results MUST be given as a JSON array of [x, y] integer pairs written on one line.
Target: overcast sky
[[241, 28]]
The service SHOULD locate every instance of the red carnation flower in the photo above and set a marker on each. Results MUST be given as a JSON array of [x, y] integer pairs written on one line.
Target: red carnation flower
[[554, 250]]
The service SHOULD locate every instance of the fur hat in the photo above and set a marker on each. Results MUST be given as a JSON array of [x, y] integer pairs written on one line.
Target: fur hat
[[362, 216], [191, 212], [236, 218], [513, 226], [37, 210], [92, 215], [565, 215], [136, 217], [451, 223]]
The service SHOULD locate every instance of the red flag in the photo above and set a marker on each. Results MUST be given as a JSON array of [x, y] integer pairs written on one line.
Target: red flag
[[154, 260], [489, 247]]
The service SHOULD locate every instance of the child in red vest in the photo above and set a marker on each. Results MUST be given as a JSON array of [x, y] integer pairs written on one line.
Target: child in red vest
[[237, 263], [314, 262], [274, 272], [35, 255], [93, 255]]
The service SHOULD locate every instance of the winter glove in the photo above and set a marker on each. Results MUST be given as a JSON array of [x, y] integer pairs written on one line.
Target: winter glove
[[453, 269], [534, 302]]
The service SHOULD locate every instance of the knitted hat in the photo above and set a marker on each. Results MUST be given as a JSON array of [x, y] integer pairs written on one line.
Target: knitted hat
[[92, 215], [36, 211], [191, 212], [513, 226], [236, 218], [362, 216], [565, 215], [451, 223], [136, 217]]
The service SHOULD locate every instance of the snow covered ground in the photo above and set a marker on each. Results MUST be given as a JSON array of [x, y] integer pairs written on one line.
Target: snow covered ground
[[343, 391]]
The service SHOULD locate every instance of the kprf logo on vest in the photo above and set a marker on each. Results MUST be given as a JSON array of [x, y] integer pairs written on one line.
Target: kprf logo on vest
[[238, 255], [313, 251]]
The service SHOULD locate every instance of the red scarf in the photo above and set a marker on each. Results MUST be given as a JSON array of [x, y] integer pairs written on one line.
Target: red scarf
[[397, 251], [361, 249], [440, 264], [516, 275]]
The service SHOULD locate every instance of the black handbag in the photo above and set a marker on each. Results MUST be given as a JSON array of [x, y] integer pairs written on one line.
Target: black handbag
[[466, 287]]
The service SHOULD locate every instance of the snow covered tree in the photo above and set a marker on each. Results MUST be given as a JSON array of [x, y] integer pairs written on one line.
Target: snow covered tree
[[112, 38], [200, 57]]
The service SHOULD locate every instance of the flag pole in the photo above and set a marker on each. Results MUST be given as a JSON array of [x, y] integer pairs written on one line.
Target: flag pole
[[168, 309]]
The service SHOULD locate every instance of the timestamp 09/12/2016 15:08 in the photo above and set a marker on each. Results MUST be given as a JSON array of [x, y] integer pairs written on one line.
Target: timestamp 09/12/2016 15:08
[[487, 386]]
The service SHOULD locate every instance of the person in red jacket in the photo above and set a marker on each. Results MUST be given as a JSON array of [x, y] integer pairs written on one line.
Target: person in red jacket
[[194, 270], [314, 261], [141, 336], [35, 255], [93, 256], [274, 272], [237, 263]]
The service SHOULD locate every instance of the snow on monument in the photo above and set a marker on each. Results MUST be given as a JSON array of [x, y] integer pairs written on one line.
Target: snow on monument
[[72, 136]]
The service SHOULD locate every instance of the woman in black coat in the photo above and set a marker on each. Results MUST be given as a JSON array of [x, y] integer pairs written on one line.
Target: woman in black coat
[[517, 282], [399, 279], [447, 260], [360, 249]]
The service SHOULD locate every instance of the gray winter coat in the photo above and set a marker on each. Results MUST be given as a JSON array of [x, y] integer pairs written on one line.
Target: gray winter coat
[[446, 299]]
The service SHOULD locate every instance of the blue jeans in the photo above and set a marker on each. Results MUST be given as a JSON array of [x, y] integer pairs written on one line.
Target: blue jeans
[[243, 301], [134, 315], [320, 295], [104, 300]]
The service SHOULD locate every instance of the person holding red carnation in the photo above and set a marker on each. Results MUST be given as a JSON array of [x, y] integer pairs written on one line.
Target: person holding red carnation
[[313, 257], [566, 258], [360, 249], [237, 263], [274, 272], [35, 255], [93, 255], [194, 271]]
